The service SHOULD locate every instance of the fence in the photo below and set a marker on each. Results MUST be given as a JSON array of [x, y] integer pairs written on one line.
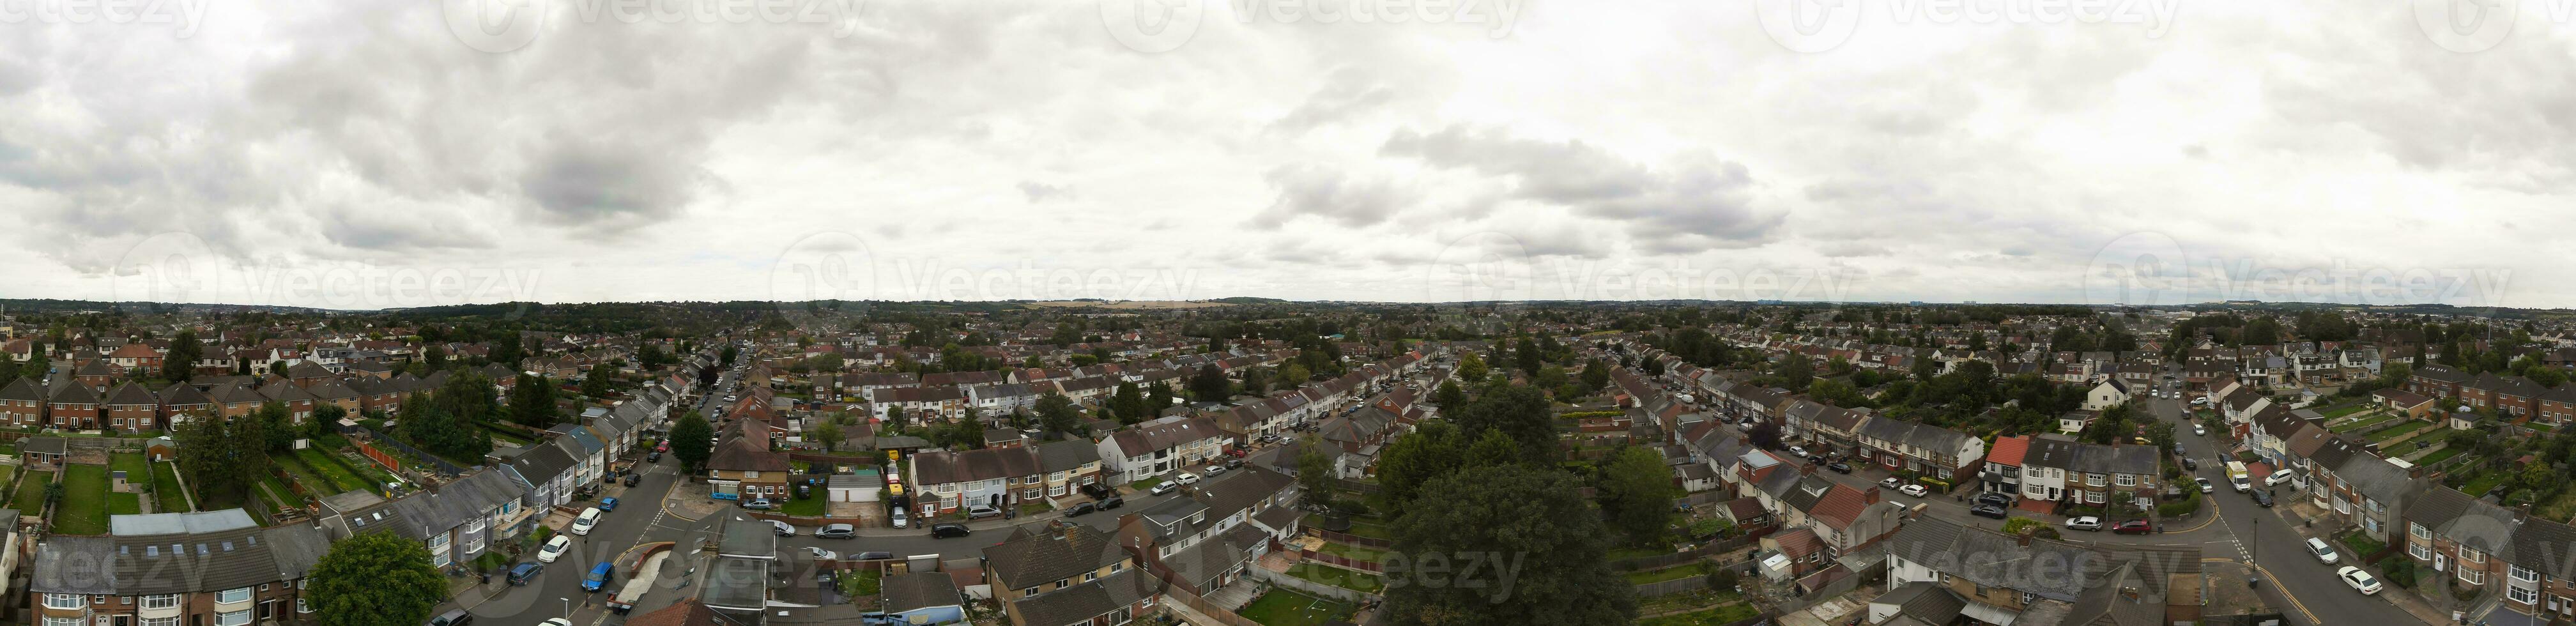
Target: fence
[[1663, 560], [1356, 486], [1308, 587], [1372, 567], [1183, 597], [444, 468], [1356, 540]]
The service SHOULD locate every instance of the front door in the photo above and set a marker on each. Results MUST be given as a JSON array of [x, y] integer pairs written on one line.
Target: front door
[[2440, 560]]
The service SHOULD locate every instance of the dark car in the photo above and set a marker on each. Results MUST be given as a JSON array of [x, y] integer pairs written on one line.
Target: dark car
[[2262, 497], [1080, 510], [1988, 510], [524, 572], [872, 556], [1098, 491], [1993, 498], [2133, 527], [2190, 465], [453, 617], [654, 457], [597, 579], [631, 479], [944, 531], [1112, 502], [1839, 467]]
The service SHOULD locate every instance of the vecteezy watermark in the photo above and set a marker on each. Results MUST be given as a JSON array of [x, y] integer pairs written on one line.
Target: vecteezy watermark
[[2153, 269], [2481, 25], [183, 16], [1490, 266], [499, 26], [1810, 26], [1154, 26], [1490, 574], [179, 268]]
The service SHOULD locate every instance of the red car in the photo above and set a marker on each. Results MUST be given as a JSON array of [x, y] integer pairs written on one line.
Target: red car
[[665, 447], [2132, 527]]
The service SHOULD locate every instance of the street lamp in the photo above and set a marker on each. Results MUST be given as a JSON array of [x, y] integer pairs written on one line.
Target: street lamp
[[567, 608]]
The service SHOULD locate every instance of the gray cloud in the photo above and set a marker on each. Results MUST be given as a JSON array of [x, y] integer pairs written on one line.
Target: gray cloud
[[1308, 190], [1696, 201], [1042, 192]]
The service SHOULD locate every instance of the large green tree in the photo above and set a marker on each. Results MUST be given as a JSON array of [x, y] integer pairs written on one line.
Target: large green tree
[[181, 363], [1057, 413], [1210, 385], [1636, 493], [690, 441], [1553, 553], [222, 458], [532, 403], [1431, 451], [373, 579], [1519, 412]]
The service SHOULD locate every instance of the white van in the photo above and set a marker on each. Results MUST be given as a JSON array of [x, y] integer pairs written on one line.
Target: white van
[[2325, 554], [589, 518]]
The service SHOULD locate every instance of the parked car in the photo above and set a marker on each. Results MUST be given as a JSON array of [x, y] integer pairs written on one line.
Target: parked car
[[598, 577], [872, 556], [2133, 527], [2324, 553], [1997, 499], [1098, 491], [2199, 429], [1839, 467], [1891, 482], [1234, 462], [1112, 502], [1914, 490], [1213, 470], [632, 479], [1080, 510], [1184, 478], [836, 531], [946, 530], [1987, 510], [782, 528], [2205, 487], [665, 446], [2087, 522], [522, 573], [555, 621], [1164, 488], [607, 504], [654, 457], [2358, 580], [758, 504], [554, 548], [2190, 465], [2276, 478], [820, 554], [2263, 498], [981, 511], [1797, 451], [589, 519], [453, 617]]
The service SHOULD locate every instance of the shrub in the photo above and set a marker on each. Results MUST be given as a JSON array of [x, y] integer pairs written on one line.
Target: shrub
[[2187, 506], [2402, 574]]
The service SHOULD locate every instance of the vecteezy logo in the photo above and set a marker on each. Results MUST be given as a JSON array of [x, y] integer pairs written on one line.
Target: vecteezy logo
[[495, 26], [2143, 268], [1152, 26], [168, 267], [2467, 25], [822, 278], [1808, 26]]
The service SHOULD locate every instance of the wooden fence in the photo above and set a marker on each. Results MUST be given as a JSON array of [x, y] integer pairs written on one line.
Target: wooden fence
[[1356, 540], [1307, 586]]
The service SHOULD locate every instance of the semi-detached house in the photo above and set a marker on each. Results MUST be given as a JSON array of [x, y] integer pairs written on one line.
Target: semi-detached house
[[1158, 447], [215, 568]]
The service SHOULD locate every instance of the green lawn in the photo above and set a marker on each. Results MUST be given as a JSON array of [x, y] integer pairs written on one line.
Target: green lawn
[[2399, 431], [2362, 424], [1287, 607], [2438, 455], [317, 481], [31, 493], [1356, 581], [1728, 614], [122, 503], [84, 510], [2343, 410], [1676, 572], [323, 466], [137, 469], [1360, 526], [2479, 486], [1352, 552], [809, 507], [1145, 484], [167, 495], [281, 495]]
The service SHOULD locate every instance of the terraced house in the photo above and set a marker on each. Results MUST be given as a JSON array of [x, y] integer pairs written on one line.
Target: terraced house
[[215, 568], [1939, 572], [2056, 468], [2516, 565], [1923, 448]]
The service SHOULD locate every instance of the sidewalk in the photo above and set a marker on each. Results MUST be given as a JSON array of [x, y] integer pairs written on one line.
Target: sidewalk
[[689, 500]]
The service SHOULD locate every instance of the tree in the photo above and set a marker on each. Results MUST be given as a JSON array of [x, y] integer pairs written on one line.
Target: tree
[[1519, 412], [532, 403], [1294, 375], [1431, 451], [1210, 385], [894, 416], [829, 433], [277, 428], [1795, 371], [1533, 517], [221, 458], [1495, 448], [1057, 413], [181, 363], [1128, 403], [1315, 472], [601, 383], [374, 578], [1595, 375], [1158, 397], [1765, 434], [1448, 396], [1636, 493], [1256, 381], [1471, 367], [691, 441], [725, 360]]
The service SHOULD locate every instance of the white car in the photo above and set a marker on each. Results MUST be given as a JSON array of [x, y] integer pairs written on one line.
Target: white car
[[554, 548], [2087, 522], [1185, 478], [2199, 429], [1213, 470], [1891, 482], [2358, 580], [901, 519], [1799, 451], [2325, 553], [822, 554], [1915, 490], [589, 519], [2276, 478], [555, 621]]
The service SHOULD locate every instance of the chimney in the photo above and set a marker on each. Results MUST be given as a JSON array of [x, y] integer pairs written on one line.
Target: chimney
[[1808, 469], [1870, 496], [2129, 592]]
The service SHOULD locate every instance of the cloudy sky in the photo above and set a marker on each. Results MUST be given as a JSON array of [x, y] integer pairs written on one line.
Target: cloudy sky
[[371, 154]]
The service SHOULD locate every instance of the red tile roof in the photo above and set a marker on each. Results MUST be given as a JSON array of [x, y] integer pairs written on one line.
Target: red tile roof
[[2008, 450], [1840, 506]]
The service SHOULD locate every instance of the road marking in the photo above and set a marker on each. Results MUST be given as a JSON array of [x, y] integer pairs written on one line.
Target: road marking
[[2276, 585]]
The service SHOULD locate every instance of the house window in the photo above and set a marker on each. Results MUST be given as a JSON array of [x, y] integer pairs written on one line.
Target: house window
[[2418, 531], [2473, 575], [2521, 595], [233, 595], [2125, 480], [235, 618], [161, 621], [2420, 552], [164, 601], [62, 621], [2472, 555], [2521, 574], [62, 601]]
